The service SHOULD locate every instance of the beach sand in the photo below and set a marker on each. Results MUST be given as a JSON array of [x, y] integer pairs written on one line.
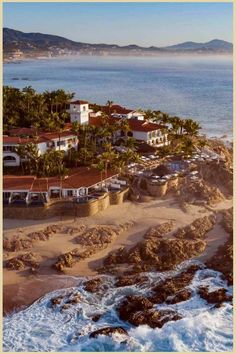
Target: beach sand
[[22, 288]]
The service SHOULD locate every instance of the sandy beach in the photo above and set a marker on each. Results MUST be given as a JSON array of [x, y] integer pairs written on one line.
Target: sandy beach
[[21, 288]]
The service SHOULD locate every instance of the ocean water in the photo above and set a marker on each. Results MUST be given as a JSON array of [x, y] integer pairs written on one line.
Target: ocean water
[[202, 328], [197, 87]]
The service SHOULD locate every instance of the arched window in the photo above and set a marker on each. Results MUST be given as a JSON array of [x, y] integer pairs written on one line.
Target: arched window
[[9, 158]]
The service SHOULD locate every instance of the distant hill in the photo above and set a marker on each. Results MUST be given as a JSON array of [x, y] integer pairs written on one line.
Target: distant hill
[[215, 44], [17, 44]]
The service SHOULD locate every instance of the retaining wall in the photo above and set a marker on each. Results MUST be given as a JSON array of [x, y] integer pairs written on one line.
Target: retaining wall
[[63, 207]]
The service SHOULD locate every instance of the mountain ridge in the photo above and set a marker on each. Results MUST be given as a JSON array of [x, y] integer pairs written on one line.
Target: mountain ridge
[[20, 44]]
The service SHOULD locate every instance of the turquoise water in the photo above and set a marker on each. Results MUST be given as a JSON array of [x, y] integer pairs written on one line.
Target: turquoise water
[[196, 87]]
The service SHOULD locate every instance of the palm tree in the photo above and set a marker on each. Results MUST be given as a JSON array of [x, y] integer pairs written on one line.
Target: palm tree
[[21, 152], [109, 105], [148, 115], [191, 127], [108, 156], [32, 156], [101, 168]]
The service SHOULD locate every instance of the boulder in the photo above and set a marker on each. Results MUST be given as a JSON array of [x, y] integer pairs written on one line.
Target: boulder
[[108, 331], [130, 280], [96, 318], [182, 295], [93, 285], [133, 304], [56, 300], [154, 318], [214, 297]]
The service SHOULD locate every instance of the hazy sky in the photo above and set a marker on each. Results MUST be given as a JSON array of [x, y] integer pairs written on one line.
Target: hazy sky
[[144, 24]]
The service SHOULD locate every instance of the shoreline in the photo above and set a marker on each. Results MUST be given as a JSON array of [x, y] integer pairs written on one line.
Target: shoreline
[[17, 283]]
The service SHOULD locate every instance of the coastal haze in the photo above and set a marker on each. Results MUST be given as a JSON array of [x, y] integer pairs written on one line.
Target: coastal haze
[[198, 87]]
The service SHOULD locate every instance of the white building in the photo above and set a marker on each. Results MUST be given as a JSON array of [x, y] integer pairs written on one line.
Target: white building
[[79, 111], [151, 133], [44, 141]]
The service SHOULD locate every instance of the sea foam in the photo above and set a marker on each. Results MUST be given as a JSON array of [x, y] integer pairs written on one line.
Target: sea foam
[[202, 328]]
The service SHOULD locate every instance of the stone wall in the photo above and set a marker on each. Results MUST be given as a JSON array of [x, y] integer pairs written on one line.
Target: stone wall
[[157, 190], [67, 208], [119, 196]]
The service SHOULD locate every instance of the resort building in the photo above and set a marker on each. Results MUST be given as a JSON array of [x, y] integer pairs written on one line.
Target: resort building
[[44, 141], [150, 133], [30, 190], [117, 111], [140, 130], [79, 111]]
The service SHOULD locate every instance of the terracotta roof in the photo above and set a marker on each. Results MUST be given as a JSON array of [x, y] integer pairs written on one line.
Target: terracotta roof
[[79, 177], [23, 131], [143, 126], [135, 125], [18, 182], [78, 102], [16, 140], [116, 109], [42, 137], [55, 135]]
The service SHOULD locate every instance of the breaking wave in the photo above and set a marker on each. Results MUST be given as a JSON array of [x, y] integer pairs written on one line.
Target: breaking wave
[[202, 328]]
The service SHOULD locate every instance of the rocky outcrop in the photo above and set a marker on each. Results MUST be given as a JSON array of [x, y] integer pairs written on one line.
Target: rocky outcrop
[[93, 285], [154, 318], [27, 260], [108, 331], [222, 261], [214, 297], [101, 235], [219, 175], [160, 253], [172, 290], [91, 241], [130, 280], [138, 310], [64, 302], [227, 220], [159, 230], [156, 254], [182, 295], [18, 243], [194, 190], [197, 229], [133, 304]]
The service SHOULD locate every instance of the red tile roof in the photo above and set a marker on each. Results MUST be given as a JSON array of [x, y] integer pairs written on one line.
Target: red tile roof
[[56, 135], [135, 125], [116, 109], [23, 131], [16, 140], [143, 126], [79, 177], [42, 137], [79, 102], [18, 183]]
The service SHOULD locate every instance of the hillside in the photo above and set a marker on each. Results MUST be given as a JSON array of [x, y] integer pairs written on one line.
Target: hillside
[[17, 45]]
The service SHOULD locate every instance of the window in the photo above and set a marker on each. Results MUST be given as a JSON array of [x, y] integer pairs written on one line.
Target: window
[[6, 195], [61, 143], [9, 158], [84, 108], [70, 193]]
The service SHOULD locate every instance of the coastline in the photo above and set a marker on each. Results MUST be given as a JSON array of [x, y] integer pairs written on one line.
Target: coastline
[[143, 216]]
